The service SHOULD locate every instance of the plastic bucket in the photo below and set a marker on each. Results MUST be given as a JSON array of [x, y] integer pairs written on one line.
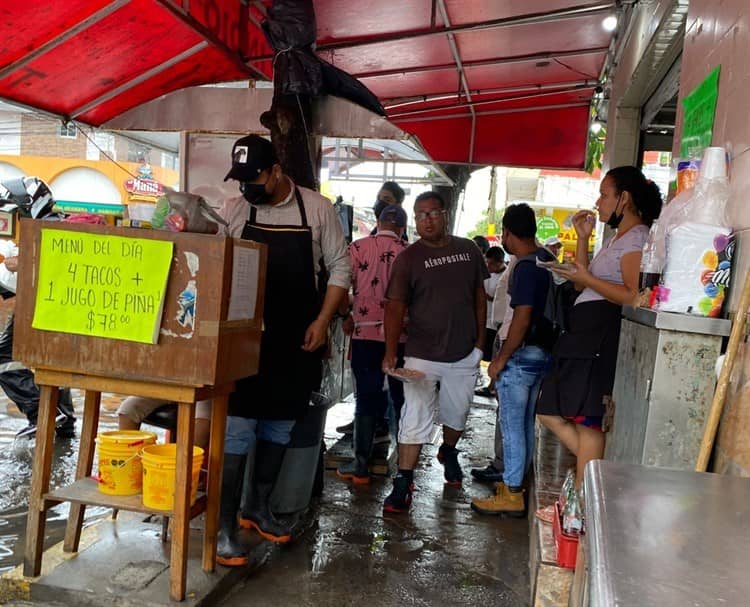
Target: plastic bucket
[[120, 470], [159, 462]]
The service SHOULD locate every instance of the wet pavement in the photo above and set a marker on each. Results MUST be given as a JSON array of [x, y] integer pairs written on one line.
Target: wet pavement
[[440, 553], [16, 458]]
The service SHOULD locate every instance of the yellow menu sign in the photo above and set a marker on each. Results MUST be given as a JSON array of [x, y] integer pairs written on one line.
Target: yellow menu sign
[[105, 286]]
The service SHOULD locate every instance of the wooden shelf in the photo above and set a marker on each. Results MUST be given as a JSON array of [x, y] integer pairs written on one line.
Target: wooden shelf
[[86, 491]]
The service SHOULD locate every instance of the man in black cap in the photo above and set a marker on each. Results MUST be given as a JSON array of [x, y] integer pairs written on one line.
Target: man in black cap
[[307, 276]]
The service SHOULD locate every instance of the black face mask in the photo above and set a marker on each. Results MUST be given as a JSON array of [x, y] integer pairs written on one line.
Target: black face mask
[[255, 193], [378, 208], [615, 219]]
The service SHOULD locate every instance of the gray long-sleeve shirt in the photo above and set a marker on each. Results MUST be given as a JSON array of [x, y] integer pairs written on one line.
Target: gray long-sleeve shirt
[[327, 235]]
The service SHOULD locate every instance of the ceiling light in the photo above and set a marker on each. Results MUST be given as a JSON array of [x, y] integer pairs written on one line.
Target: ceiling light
[[610, 23], [596, 127]]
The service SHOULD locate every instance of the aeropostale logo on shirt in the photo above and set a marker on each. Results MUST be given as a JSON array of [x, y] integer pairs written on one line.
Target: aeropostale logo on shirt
[[435, 262]]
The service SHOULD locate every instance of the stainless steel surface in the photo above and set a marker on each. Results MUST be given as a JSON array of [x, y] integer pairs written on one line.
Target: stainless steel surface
[[662, 393], [666, 537], [678, 322]]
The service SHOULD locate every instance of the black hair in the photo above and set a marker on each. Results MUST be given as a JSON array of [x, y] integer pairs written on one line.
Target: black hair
[[644, 192], [430, 195], [482, 243], [495, 253], [395, 189], [519, 220]]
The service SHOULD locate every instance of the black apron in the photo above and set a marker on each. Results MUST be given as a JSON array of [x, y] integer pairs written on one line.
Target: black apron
[[584, 364], [287, 374]]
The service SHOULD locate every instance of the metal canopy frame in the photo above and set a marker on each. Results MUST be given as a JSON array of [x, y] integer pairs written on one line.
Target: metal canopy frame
[[507, 83]]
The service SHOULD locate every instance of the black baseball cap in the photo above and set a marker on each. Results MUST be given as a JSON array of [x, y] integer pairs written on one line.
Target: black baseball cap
[[251, 156], [393, 214]]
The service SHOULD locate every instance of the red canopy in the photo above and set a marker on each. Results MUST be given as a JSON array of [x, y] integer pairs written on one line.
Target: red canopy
[[480, 81]]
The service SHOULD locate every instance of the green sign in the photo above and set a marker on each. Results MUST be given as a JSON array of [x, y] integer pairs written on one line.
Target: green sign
[[106, 286], [70, 206], [698, 125], [546, 227]]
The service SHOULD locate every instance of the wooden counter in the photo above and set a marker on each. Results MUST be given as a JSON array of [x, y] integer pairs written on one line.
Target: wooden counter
[[190, 361]]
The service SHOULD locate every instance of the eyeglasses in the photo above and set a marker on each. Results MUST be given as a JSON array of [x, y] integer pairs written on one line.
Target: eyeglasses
[[434, 214]]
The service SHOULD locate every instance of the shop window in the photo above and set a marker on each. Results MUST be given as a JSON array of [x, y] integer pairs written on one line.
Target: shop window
[[68, 130], [138, 152]]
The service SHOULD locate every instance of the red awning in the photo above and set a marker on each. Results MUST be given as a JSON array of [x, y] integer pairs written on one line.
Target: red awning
[[479, 81]]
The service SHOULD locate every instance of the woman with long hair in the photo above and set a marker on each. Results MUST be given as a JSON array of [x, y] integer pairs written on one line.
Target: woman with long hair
[[573, 397]]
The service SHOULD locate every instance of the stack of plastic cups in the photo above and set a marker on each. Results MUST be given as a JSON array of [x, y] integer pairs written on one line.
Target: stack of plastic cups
[[714, 164]]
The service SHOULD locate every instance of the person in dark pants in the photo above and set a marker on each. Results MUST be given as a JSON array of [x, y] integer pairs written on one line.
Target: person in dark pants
[[18, 383], [371, 261], [307, 276], [495, 258]]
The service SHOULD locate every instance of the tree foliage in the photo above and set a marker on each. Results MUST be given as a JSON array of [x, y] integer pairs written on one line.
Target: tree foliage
[[481, 228], [595, 151]]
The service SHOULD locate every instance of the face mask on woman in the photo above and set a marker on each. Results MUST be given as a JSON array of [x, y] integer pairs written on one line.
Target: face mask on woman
[[378, 207], [615, 218]]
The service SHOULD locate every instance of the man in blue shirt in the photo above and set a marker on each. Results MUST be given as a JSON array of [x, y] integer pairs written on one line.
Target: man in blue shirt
[[520, 365]]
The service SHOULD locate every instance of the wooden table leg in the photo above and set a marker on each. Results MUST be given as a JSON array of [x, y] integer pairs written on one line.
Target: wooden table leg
[[45, 434], [213, 485], [92, 401], [181, 515]]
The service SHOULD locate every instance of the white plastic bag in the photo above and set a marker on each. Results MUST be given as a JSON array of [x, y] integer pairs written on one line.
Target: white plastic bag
[[8, 279]]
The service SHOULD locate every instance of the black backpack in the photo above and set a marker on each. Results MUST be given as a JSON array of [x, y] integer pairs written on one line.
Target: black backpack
[[555, 320]]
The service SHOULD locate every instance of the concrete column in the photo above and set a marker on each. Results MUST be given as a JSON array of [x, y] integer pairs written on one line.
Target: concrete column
[[622, 137]]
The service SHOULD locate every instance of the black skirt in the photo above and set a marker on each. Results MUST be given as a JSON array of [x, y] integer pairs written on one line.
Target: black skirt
[[585, 360]]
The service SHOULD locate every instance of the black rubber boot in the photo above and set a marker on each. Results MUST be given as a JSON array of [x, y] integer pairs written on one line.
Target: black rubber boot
[[358, 470], [229, 552], [66, 420], [257, 514]]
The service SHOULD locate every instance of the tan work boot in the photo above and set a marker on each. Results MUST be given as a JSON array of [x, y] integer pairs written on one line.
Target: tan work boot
[[503, 502]]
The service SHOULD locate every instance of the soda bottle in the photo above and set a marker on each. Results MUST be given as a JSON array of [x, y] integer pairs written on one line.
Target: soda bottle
[[572, 522], [568, 483], [651, 268]]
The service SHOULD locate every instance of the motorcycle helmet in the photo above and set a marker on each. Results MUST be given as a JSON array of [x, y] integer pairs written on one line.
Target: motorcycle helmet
[[30, 194]]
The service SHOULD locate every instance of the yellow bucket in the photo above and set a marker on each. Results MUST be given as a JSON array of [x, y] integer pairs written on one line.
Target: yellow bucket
[[159, 462], [120, 470]]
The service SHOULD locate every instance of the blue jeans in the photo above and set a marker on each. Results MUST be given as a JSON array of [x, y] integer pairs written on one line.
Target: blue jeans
[[518, 387], [242, 433]]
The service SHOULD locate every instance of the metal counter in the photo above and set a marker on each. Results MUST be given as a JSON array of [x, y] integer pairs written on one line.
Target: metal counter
[[665, 537], [663, 388], [670, 321]]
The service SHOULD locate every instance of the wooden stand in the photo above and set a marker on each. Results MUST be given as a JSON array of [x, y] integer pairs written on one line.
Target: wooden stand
[[84, 491], [186, 365]]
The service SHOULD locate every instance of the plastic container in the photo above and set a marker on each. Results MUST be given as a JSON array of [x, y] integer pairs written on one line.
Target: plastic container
[[566, 545], [714, 163], [120, 471], [687, 174], [159, 475]]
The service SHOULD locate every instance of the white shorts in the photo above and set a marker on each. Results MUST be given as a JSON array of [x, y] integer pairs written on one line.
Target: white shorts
[[426, 405], [138, 408]]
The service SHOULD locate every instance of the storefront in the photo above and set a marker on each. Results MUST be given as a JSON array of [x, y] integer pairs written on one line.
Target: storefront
[[668, 52]]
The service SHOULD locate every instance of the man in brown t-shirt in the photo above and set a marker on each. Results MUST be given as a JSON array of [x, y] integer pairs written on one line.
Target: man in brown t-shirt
[[439, 281]]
